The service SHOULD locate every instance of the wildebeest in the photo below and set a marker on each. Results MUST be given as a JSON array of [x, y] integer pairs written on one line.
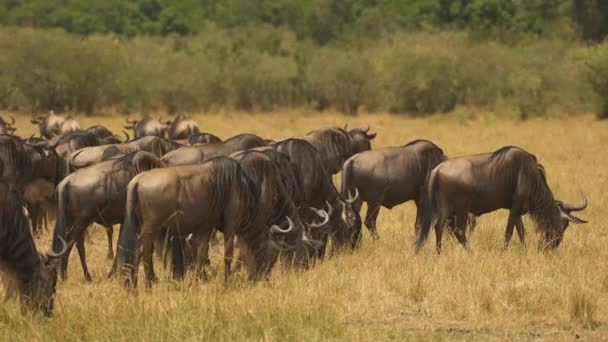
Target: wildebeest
[[196, 199], [31, 275], [69, 125], [391, 176], [71, 142], [7, 127], [92, 155], [182, 127], [198, 154], [318, 189], [336, 145], [106, 135], [509, 178], [147, 126], [49, 125], [96, 194]]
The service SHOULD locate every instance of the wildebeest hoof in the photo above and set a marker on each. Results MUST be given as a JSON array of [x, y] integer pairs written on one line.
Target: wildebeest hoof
[[375, 235]]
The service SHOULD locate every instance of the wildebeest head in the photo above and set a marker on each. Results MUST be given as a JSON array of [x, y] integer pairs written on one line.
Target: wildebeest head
[[346, 222], [297, 242], [361, 139], [49, 125], [560, 219], [7, 127], [35, 274]]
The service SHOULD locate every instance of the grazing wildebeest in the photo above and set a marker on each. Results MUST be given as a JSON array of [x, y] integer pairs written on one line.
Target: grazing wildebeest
[[275, 174], [317, 190], [182, 127], [391, 176], [32, 276], [92, 155], [336, 145], [34, 168], [96, 194], [509, 178], [147, 126], [197, 199], [49, 125], [198, 154], [7, 127]]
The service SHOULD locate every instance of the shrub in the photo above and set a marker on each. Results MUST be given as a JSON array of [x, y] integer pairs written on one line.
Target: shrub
[[597, 73]]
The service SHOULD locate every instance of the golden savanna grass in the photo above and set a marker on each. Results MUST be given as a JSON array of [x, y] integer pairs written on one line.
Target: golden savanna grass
[[381, 291]]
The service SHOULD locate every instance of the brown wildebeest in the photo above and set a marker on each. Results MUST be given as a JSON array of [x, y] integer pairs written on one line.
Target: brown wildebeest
[[336, 145], [7, 127], [92, 155], [196, 199], [182, 127], [34, 169], [317, 191], [391, 176], [69, 125], [96, 194], [32, 276], [49, 125], [509, 178], [147, 126], [189, 155]]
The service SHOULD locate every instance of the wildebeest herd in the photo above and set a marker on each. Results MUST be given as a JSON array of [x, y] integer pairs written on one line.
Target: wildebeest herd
[[172, 187]]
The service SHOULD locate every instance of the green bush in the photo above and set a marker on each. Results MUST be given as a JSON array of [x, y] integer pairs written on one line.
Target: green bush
[[597, 72], [339, 78]]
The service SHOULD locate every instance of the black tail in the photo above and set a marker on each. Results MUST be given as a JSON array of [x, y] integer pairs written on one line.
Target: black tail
[[177, 257], [60, 223], [427, 213], [127, 243]]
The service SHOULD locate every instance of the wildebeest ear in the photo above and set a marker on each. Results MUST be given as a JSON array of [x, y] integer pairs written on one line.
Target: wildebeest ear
[[371, 136]]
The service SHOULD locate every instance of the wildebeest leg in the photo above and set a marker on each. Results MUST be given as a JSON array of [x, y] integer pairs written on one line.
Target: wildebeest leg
[[519, 226], [146, 243], [203, 255], [110, 234], [460, 230], [510, 225], [228, 254], [83, 258], [373, 209], [115, 261], [439, 225]]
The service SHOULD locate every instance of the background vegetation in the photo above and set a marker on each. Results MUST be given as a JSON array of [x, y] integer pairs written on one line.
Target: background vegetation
[[527, 58]]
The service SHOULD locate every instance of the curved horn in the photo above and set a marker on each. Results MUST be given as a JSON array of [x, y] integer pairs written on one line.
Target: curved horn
[[277, 230], [132, 122], [366, 129], [321, 213], [570, 207], [346, 126], [127, 136], [351, 199], [12, 120], [330, 210], [64, 249]]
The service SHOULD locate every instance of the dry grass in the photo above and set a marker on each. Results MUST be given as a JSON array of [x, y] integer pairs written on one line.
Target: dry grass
[[382, 291]]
